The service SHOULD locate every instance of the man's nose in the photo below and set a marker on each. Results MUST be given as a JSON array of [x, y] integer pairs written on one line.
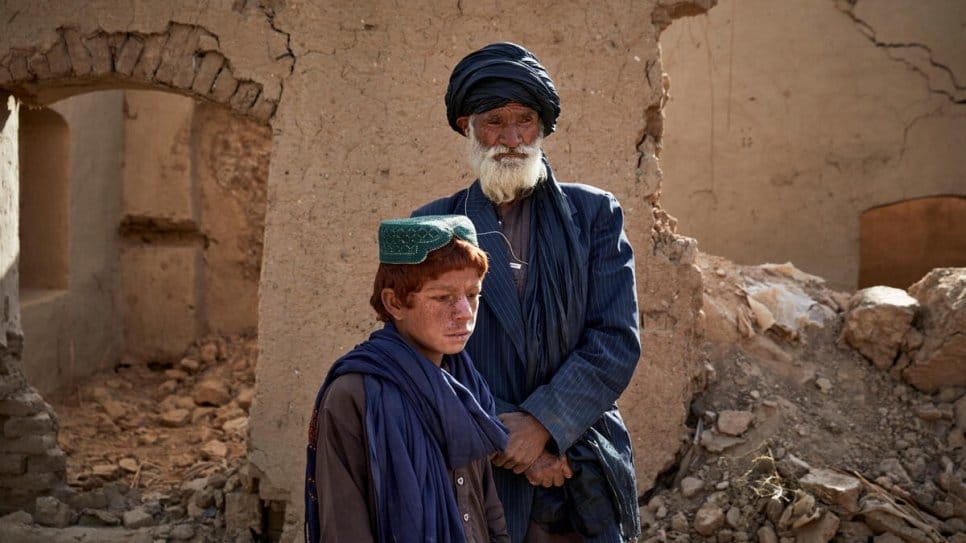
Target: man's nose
[[511, 136]]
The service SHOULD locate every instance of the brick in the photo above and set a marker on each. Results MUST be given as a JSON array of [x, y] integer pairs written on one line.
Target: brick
[[13, 464], [37, 64], [55, 461], [58, 60], [41, 423], [224, 87], [245, 96], [101, 62], [178, 53], [18, 67], [211, 64], [80, 58], [29, 444], [127, 56], [264, 109], [39, 481], [150, 57], [23, 404]]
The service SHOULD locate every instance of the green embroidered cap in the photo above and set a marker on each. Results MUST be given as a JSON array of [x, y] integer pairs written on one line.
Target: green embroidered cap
[[409, 241]]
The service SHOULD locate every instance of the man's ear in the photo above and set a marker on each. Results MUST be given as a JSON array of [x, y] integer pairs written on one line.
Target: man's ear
[[392, 303], [464, 123]]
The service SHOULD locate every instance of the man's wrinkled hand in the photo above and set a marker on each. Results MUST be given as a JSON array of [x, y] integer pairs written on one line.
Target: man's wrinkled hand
[[525, 443], [549, 470]]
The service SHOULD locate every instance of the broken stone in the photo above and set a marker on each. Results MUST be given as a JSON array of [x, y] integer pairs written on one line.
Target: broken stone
[[763, 316], [189, 365], [881, 521], [238, 426], [877, 321], [212, 392], [245, 397], [209, 353], [837, 488], [137, 518], [49, 511], [182, 532], [716, 443], [824, 384], [98, 517], [129, 465], [708, 519], [176, 374], [175, 418], [734, 423], [941, 360], [215, 449], [767, 535], [679, 523], [819, 531], [106, 471], [690, 486]]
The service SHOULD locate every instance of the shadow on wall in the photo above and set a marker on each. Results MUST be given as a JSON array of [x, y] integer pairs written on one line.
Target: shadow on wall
[[902, 241]]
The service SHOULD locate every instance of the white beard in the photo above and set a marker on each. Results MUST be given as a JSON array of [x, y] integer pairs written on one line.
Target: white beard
[[504, 180]]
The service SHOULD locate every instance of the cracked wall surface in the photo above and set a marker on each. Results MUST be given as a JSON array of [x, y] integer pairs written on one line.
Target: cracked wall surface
[[359, 134], [785, 123]]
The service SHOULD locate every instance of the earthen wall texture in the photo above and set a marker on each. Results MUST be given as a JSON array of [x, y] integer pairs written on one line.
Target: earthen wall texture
[[354, 97], [787, 121], [75, 330]]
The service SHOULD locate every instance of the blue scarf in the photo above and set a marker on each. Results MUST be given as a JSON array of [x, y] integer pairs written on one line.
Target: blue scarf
[[421, 422]]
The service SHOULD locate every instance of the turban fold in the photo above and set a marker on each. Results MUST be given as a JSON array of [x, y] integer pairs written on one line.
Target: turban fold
[[496, 75]]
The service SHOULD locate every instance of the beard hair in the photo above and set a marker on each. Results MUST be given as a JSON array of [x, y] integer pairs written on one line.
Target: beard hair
[[510, 178]]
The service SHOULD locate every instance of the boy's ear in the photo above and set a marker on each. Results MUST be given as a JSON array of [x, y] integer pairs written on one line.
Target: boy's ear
[[392, 303]]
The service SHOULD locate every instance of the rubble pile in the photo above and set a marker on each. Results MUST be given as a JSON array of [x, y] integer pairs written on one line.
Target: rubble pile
[[827, 417], [155, 452]]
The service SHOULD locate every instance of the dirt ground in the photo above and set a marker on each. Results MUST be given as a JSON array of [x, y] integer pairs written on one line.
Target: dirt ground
[[778, 405]]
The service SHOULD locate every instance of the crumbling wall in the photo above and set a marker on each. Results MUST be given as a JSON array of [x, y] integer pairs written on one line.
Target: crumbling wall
[[354, 93], [787, 122], [31, 462], [74, 331]]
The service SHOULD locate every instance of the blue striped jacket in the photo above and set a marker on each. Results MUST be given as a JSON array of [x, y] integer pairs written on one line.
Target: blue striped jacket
[[585, 387]]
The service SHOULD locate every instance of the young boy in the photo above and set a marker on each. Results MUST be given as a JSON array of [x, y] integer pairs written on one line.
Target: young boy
[[404, 426]]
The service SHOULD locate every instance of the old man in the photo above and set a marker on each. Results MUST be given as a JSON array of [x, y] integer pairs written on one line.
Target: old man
[[556, 337]]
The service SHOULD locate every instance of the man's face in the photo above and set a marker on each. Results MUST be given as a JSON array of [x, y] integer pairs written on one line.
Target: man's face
[[505, 150]]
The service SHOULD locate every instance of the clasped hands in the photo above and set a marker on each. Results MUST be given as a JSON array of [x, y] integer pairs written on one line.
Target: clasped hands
[[526, 452]]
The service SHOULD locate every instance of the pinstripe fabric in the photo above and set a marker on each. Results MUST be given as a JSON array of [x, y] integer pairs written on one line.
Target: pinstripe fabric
[[586, 385]]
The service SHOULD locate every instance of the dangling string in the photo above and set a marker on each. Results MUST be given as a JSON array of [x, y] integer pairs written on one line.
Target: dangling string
[[506, 240]]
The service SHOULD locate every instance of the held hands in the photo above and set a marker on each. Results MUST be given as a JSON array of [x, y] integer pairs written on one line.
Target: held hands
[[525, 443], [549, 470]]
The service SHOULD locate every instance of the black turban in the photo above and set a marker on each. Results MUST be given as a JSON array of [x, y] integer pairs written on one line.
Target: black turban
[[496, 75]]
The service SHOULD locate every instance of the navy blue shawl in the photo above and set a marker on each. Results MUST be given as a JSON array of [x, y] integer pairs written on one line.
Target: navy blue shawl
[[421, 422]]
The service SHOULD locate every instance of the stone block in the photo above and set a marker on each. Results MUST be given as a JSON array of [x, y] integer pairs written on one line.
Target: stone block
[[264, 109], [80, 58], [32, 481], [137, 518], [37, 64], [835, 487], [35, 444], [224, 87], [245, 96], [877, 321], [101, 61], [18, 67], [49, 511], [23, 404], [150, 57], [58, 60], [211, 64], [127, 56], [54, 461], [41, 423], [941, 360], [13, 464], [177, 55]]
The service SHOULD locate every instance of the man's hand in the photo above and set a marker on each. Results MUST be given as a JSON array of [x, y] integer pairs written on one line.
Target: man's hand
[[525, 443], [549, 470]]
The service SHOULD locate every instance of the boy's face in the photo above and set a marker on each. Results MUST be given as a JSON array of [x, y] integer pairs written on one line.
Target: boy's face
[[440, 316]]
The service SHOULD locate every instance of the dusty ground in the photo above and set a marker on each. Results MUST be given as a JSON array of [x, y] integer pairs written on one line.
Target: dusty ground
[[160, 434], [778, 404]]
